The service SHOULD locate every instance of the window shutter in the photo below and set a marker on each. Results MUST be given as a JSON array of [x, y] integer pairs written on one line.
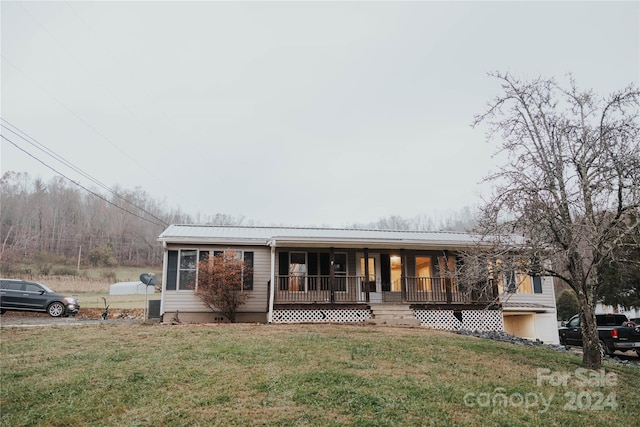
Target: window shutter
[[325, 264], [313, 263], [283, 263], [537, 284], [512, 285], [283, 271], [385, 272], [172, 270], [312, 260], [248, 276]]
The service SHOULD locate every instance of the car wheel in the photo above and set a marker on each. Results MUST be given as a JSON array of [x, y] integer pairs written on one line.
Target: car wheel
[[3, 311], [56, 309], [604, 350]]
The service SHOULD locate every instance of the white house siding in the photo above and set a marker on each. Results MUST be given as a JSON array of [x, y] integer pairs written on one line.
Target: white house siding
[[547, 298], [546, 327], [185, 301], [532, 316], [631, 312]]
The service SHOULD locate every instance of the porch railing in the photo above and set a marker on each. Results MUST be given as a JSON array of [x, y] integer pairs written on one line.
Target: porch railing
[[318, 289], [351, 289]]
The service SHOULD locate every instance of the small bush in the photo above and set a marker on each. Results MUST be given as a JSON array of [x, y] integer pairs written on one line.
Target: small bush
[[567, 305], [103, 256]]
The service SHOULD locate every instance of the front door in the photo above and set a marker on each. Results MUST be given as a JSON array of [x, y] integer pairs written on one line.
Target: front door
[[372, 279]]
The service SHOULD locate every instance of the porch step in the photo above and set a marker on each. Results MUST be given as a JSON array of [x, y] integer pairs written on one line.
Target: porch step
[[392, 314]]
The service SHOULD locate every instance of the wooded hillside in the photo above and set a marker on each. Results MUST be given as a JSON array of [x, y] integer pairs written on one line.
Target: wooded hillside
[[58, 217]]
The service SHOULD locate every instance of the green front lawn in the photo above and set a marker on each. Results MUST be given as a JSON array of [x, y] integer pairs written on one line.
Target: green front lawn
[[328, 375]]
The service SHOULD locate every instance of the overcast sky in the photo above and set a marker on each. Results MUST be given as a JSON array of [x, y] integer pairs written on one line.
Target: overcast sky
[[292, 113]]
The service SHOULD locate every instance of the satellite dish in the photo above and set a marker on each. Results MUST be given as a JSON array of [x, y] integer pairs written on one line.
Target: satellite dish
[[148, 279]]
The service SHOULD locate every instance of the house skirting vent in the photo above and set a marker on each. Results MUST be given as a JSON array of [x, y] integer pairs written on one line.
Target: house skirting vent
[[473, 320], [320, 316]]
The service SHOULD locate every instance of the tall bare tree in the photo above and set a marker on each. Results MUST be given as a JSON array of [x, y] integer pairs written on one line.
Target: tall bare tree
[[569, 184]]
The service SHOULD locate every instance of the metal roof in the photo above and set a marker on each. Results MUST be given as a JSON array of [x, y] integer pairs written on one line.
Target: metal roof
[[307, 236]]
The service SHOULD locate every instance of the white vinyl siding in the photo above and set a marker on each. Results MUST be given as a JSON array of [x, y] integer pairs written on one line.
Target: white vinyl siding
[[186, 301], [546, 298]]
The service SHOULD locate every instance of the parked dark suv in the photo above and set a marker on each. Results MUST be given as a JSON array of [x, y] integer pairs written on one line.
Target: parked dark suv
[[20, 295]]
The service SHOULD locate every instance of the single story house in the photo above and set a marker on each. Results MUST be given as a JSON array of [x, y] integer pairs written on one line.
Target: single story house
[[351, 275]]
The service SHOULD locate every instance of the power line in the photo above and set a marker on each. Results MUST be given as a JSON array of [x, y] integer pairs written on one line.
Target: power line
[[32, 141], [89, 125], [80, 185]]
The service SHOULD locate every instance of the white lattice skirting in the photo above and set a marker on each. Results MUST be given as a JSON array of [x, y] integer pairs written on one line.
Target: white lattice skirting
[[473, 320], [320, 316]]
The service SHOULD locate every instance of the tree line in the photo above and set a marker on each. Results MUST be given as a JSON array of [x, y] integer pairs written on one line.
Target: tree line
[[55, 218], [59, 219]]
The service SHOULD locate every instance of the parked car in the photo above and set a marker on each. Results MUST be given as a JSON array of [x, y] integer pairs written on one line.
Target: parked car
[[615, 332], [20, 295]]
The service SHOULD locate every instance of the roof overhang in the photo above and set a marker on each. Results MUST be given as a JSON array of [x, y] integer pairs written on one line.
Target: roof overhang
[[524, 308], [316, 238]]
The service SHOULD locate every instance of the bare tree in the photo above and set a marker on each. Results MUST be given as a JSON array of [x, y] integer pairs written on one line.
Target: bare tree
[[569, 185]]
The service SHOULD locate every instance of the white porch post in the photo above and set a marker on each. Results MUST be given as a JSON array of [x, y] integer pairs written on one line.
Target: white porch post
[[165, 261], [273, 281]]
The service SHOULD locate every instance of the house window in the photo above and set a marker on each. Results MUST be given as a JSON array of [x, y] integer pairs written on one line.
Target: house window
[[371, 274], [517, 282], [447, 267], [524, 283], [396, 273], [182, 268], [423, 271], [297, 271], [188, 268], [247, 257], [515, 278]]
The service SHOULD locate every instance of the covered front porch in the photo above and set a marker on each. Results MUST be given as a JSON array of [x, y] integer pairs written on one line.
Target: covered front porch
[[308, 275]]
